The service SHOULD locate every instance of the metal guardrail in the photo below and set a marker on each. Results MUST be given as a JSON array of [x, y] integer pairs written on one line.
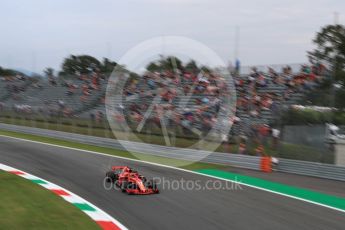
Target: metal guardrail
[[312, 169], [250, 162]]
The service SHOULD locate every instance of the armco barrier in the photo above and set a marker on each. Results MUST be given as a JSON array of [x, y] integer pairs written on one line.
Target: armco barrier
[[312, 169], [250, 162]]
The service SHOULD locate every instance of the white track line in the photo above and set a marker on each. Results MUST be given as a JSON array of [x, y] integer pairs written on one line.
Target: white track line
[[180, 169]]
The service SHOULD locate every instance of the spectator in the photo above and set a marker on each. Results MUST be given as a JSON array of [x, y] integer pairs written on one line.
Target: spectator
[[260, 151], [242, 148], [275, 137]]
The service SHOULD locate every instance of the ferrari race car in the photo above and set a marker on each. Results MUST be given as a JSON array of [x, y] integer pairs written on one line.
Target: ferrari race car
[[130, 181]]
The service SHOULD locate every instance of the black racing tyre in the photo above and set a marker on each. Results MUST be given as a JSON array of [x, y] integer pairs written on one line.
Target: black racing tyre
[[108, 179], [111, 177], [149, 183], [154, 185], [124, 186]]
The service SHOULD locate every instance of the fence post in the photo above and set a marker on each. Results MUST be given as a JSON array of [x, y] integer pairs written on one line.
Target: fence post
[[339, 152]]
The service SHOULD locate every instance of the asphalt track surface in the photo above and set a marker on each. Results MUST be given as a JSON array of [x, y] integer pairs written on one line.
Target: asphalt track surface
[[246, 208]]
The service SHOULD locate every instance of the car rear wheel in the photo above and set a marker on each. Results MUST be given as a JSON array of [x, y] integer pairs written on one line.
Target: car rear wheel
[[111, 177], [107, 179], [124, 186], [152, 185], [148, 184]]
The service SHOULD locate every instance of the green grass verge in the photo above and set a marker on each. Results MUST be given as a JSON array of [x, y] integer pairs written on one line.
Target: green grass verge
[[25, 205], [144, 157]]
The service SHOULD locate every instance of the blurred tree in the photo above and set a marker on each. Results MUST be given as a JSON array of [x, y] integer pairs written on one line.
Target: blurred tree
[[7, 72], [49, 72], [171, 63], [107, 66], [152, 67], [205, 69], [330, 49], [80, 64], [192, 66]]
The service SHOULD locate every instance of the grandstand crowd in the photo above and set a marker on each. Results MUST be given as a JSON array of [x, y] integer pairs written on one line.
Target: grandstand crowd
[[189, 101]]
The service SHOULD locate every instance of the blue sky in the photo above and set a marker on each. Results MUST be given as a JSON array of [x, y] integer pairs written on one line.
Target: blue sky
[[39, 33]]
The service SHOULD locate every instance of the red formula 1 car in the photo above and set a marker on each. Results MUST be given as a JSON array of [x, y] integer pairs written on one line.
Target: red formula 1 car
[[130, 181]]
